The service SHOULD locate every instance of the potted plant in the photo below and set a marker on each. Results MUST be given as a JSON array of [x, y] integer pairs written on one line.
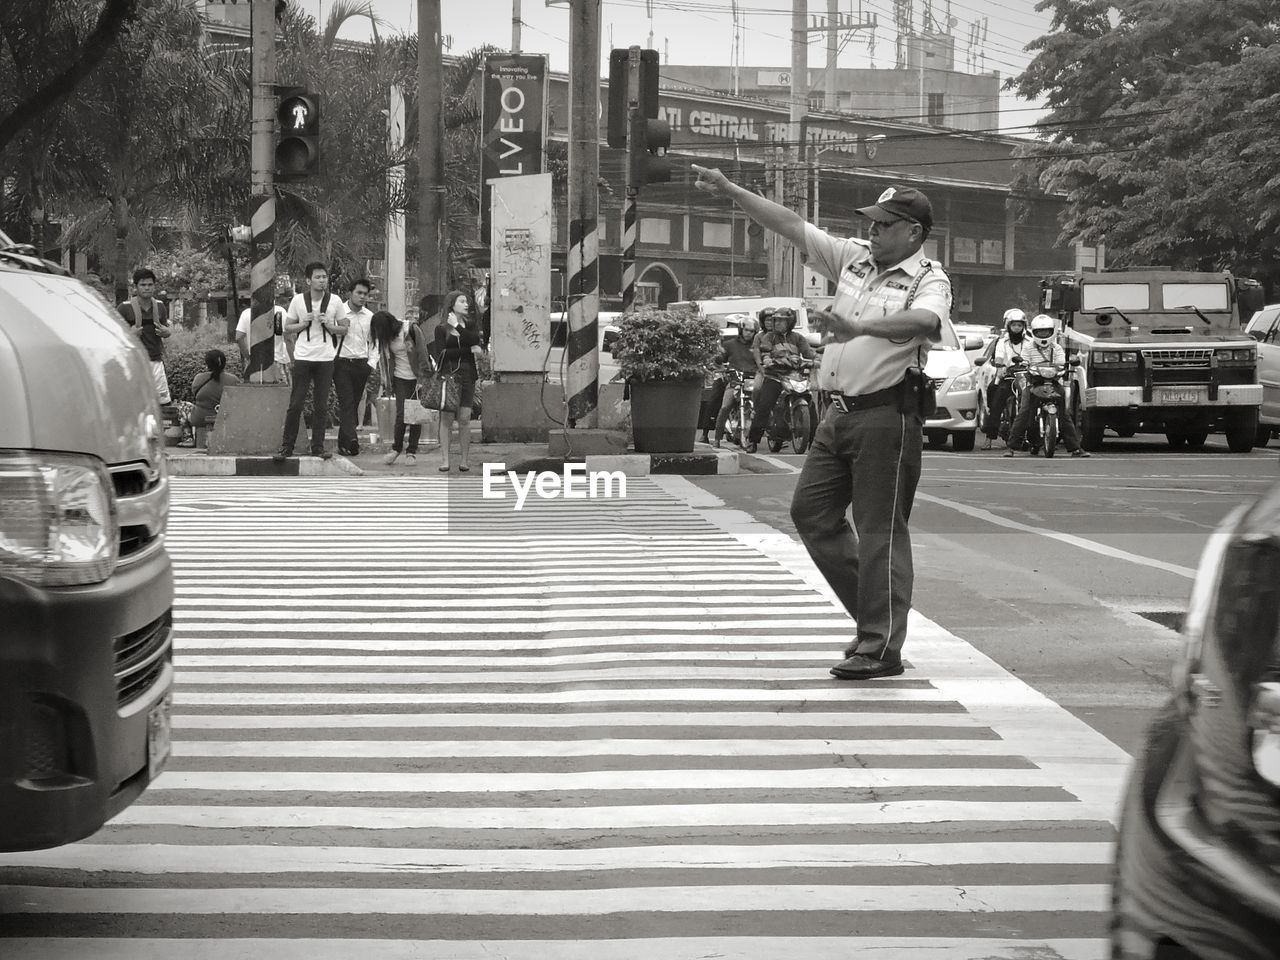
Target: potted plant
[[664, 356]]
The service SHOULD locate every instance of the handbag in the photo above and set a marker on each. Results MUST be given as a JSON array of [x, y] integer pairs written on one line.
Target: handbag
[[418, 411], [442, 394]]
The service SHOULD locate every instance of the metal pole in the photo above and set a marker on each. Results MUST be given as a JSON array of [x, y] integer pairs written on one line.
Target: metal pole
[[515, 26], [833, 51], [394, 271], [799, 107], [430, 151], [582, 377], [262, 202], [629, 209]]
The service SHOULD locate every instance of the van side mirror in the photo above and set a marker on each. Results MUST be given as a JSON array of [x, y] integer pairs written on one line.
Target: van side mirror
[[973, 343], [1074, 361], [979, 361]]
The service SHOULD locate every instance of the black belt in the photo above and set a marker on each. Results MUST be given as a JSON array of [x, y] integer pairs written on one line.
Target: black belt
[[847, 403]]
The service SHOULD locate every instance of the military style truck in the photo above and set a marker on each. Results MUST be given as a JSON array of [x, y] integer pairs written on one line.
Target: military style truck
[[1159, 351]]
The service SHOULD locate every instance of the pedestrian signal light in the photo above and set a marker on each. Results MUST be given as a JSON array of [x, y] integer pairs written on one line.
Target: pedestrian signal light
[[298, 124]]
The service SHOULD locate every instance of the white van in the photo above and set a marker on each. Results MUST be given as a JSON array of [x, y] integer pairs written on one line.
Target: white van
[[1265, 328]]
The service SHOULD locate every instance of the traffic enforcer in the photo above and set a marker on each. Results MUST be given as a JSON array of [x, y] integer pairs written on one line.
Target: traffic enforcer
[[1159, 351]]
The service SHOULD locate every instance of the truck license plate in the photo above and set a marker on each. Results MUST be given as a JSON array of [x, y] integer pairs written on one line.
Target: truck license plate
[[1167, 397], [159, 736]]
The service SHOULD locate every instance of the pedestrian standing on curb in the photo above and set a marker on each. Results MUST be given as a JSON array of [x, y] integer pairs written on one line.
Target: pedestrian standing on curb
[[282, 359], [146, 315], [889, 305], [455, 350], [318, 319], [351, 367], [394, 366]]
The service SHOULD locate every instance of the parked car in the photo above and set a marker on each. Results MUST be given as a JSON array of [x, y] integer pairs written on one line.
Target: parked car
[[1197, 871], [1265, 328], [949, 366]]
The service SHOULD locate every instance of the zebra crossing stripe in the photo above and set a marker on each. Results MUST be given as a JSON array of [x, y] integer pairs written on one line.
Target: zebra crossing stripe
[[669, 948], [433, 728]]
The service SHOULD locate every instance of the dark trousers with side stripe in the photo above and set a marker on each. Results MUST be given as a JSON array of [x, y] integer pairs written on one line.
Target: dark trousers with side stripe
[[869, 459]]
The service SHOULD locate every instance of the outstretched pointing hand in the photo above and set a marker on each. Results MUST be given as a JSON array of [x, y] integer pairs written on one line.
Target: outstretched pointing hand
[[710, 181]]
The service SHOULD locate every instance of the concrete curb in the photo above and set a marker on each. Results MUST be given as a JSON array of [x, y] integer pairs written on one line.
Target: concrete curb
[[193, 465]]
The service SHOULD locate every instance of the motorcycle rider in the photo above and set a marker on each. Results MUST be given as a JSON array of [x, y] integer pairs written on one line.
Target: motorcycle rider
[[777, 350], [1009, 349], [1044, 349], [736, 353]]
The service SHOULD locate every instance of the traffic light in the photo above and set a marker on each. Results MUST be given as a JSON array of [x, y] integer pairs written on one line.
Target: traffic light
[[298, 123], [645, 137], [646, 151]]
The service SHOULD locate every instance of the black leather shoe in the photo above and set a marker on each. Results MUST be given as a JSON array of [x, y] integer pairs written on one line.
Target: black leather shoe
[[322, 454], [281, 455], [862, 667]]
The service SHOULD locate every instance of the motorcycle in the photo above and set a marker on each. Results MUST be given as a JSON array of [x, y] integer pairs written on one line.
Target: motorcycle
[[1013, 405], [1043, 384], [740, 414], [792, 418]]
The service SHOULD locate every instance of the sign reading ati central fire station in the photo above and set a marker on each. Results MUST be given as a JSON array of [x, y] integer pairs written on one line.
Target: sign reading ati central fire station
[[514, 121]]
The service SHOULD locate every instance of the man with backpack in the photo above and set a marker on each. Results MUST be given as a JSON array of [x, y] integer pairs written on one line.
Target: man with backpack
[[318, 320]]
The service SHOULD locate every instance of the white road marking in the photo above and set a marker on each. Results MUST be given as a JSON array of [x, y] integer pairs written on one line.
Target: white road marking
[[675, 948], [1102, 549], [427, 901]]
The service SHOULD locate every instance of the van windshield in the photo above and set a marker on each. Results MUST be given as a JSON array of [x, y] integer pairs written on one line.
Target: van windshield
[[949, 339]]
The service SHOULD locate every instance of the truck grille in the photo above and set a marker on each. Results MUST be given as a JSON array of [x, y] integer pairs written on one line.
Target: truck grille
[[140, 657], [1179, 366]]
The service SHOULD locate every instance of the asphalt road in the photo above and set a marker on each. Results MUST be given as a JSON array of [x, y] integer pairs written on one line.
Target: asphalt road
[[1070, 573]]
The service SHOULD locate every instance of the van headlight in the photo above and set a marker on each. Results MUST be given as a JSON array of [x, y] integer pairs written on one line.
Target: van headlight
[[965, 381], [57, 519]]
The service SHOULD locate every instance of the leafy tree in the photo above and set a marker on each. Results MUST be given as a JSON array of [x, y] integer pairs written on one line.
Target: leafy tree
[[44, 56], [149, 141], [1160, 129]]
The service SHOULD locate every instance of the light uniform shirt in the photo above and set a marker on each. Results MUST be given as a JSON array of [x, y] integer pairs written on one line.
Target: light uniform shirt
[[318, 347], [358, 343], [246, 318], [865, 363], [401, 368]]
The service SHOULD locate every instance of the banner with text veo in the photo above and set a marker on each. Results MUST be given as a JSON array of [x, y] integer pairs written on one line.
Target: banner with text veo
[[514, 121]]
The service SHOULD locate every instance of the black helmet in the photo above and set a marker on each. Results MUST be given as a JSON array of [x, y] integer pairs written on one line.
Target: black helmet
[[787, 314]]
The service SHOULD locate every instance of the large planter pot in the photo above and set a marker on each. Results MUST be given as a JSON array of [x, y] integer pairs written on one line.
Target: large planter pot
[[664, 415]]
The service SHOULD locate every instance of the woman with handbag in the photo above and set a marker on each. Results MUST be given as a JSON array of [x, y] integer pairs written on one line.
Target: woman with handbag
[[397, 373], [453, 386]]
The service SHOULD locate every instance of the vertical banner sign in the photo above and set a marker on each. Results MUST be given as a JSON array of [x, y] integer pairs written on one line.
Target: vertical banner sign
[[514, 122], [520, 322]]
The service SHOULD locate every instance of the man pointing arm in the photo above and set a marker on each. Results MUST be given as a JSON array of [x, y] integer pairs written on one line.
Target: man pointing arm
[[889, 305]]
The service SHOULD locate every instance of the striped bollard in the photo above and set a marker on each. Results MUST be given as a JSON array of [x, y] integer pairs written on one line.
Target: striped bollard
[[262, 279], [582, 377]]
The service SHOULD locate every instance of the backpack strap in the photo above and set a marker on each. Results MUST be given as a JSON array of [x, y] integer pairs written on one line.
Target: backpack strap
[[306, 299]]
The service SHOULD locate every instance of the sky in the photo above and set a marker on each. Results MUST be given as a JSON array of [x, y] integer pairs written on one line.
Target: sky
[[701, 32]]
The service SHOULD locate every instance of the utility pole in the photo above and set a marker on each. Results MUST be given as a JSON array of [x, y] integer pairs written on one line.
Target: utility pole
[[799, 108], [582, 386], [431, 278], [394, 256], [516, 23], [262, 202]]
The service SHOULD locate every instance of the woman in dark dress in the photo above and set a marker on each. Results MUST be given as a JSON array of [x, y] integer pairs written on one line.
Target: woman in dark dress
[[455, 350], [206, 389]]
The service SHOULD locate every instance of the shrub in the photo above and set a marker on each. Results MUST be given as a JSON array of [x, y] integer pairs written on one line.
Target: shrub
[[666, 345]]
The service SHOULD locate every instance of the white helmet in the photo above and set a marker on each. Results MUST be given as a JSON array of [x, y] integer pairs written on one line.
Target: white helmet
[[1042, 329], [1014, 314]]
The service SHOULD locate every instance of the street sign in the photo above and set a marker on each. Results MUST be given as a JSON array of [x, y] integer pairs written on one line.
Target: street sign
[[514, 122]]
